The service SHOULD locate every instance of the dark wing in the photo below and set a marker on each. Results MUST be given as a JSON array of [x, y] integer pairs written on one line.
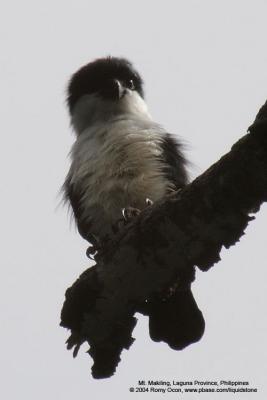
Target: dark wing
[[175, 161], [73, 196]]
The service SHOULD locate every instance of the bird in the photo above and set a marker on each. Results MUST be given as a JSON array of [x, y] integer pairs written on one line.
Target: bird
[[121, 158], [122, 161]]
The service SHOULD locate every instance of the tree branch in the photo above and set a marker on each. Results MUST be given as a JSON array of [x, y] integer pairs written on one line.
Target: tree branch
[[149, 265]]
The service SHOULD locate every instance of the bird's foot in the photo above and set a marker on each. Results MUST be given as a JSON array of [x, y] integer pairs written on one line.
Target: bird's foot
[[130, 212], [96, 247], [92, 251]]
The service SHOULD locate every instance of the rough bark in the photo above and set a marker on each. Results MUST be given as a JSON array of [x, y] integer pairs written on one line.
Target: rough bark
[[149, 265]]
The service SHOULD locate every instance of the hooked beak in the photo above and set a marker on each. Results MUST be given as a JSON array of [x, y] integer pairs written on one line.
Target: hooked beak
[[113, 90], [119, 90]]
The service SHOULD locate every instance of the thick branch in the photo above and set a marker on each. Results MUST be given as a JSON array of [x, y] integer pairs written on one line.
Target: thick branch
[[160, 248]]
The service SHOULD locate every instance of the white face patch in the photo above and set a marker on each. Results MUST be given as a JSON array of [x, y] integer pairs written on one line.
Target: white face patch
[[92, 109], [132, 103]]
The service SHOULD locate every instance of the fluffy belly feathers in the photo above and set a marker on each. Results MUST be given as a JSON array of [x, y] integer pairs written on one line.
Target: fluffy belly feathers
[[117, 169]]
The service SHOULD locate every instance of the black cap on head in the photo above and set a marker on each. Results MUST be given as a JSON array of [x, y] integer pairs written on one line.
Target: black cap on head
[[96, 76]]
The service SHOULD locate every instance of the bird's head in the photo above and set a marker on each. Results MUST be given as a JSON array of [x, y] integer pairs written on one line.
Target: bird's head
[[103, 89]]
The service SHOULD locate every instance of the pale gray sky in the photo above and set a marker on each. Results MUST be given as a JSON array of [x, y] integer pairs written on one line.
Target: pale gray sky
[[205, 67]]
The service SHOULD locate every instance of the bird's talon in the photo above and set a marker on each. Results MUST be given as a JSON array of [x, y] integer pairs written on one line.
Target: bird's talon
[[149, 202], [123, 211]]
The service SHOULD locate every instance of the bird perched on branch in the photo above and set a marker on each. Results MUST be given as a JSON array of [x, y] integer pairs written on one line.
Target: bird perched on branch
[[121, 157]]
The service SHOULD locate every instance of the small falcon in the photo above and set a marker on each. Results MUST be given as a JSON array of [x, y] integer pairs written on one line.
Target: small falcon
[[121, 160]]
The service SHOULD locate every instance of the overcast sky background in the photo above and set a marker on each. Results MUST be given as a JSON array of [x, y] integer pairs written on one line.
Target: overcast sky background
[[205, 68]]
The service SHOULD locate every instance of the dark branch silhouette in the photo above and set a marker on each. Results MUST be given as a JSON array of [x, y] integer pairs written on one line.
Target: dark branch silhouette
[[149, 265]]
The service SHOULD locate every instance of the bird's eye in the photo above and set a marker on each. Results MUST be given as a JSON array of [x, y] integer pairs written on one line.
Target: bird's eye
[[131, 84]]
